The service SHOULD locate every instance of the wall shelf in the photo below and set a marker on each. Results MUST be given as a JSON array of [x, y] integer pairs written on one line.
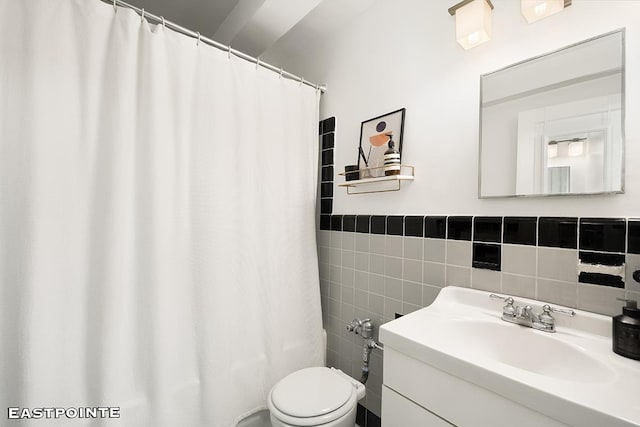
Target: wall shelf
[[378, 184]]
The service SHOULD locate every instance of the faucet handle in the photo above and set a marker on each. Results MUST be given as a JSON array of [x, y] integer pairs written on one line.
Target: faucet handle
[[545, 317], [354, 325], [566, 311], [508, 300], [358, 326], [500, 297], [508, 308]]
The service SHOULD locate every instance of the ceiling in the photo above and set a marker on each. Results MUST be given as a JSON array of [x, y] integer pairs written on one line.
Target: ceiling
[[199, 15], [254, 26]]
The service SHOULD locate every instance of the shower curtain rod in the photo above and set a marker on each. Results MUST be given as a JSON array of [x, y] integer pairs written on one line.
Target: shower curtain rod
[[196, 35]]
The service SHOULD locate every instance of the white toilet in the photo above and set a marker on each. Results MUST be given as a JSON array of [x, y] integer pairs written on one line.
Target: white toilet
[[317, 396]]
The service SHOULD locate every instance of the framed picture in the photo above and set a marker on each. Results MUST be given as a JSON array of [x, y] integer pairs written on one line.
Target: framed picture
[[375, 136]]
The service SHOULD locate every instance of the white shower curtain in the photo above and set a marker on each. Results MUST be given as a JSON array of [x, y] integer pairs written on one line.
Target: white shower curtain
[[157, 209]]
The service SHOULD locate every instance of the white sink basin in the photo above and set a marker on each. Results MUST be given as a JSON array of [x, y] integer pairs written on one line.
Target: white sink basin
[[571, 375], [524, 348]]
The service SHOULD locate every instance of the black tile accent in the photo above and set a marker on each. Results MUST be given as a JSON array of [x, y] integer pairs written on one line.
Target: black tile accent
[[601, 279], [326, 206], [327, 157], [378, 224], [349, 223], [634, 237], [395, 225], [558, 232], [520, 230], [336, 222], [320, 127], [326, 189], [601, 258], [414, 226], [603, 234], [329, 125], [362, 223], [459, 227], [398, 315], [327, 173], [373, 420], [435, 227], [351, 173], [325, 222], [361, 415], [487, 229], [328, 141], [487, 256]]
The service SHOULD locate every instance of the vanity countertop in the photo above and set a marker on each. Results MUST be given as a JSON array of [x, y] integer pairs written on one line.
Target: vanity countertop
[[571, 375]]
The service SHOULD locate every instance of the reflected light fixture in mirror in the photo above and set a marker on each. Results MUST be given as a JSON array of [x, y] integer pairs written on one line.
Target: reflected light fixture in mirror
[[534, 10], [576, 148], [473, 22]]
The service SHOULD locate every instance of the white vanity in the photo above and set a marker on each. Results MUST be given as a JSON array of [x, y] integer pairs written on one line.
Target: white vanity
[[458, 363]]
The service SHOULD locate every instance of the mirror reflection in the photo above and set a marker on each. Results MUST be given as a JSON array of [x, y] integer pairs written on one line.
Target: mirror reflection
[[554, 124]]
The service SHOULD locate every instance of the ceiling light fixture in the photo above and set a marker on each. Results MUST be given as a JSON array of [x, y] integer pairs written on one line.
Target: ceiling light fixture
[[473, 22], [534, 10]]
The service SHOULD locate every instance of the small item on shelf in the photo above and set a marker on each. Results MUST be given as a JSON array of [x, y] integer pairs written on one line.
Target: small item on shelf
[[351, 173], [364, 173], [391, 160]]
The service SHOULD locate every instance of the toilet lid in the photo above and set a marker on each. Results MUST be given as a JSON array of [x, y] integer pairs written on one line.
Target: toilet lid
[[311, 392]]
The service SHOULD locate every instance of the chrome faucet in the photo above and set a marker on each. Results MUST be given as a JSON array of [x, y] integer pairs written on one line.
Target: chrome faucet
[[524, 315]]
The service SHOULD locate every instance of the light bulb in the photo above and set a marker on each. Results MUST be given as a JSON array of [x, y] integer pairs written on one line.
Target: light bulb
[[576, 148], [533, 10], [540, 9], [473, 38]]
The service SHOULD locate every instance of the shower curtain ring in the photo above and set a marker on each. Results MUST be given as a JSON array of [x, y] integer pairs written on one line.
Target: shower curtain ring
[[229, 51], [142, 15], [162, 20], [301, 81], [115, 6], [280, 72], [257, 62], [198, 42]]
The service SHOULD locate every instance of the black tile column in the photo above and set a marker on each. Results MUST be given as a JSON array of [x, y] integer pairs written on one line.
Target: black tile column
[[326, 130]]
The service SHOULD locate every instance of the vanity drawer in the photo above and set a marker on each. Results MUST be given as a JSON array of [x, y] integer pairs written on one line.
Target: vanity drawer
[[397, 410], [460, 402]]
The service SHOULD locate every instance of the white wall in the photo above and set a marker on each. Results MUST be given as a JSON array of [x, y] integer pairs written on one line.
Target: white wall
[[404, 54]]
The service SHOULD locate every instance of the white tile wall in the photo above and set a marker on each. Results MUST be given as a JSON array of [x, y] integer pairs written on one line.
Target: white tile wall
[[558, 264], [434, 250], [519, 259], [376, 276], [459, 253]]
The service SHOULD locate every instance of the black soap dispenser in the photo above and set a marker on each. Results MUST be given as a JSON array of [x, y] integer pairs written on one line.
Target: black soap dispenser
[[626, 331]]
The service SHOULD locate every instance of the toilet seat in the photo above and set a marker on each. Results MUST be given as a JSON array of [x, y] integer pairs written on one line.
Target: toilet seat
[[313, 396]]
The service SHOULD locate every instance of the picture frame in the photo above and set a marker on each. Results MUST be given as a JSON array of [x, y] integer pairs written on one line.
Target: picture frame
[[375, 135]]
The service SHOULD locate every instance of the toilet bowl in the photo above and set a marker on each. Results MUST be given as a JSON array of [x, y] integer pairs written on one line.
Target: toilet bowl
[[317, 396]]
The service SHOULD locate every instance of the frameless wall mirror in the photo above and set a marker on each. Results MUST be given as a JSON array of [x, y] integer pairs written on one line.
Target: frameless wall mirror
[[554, 124]]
